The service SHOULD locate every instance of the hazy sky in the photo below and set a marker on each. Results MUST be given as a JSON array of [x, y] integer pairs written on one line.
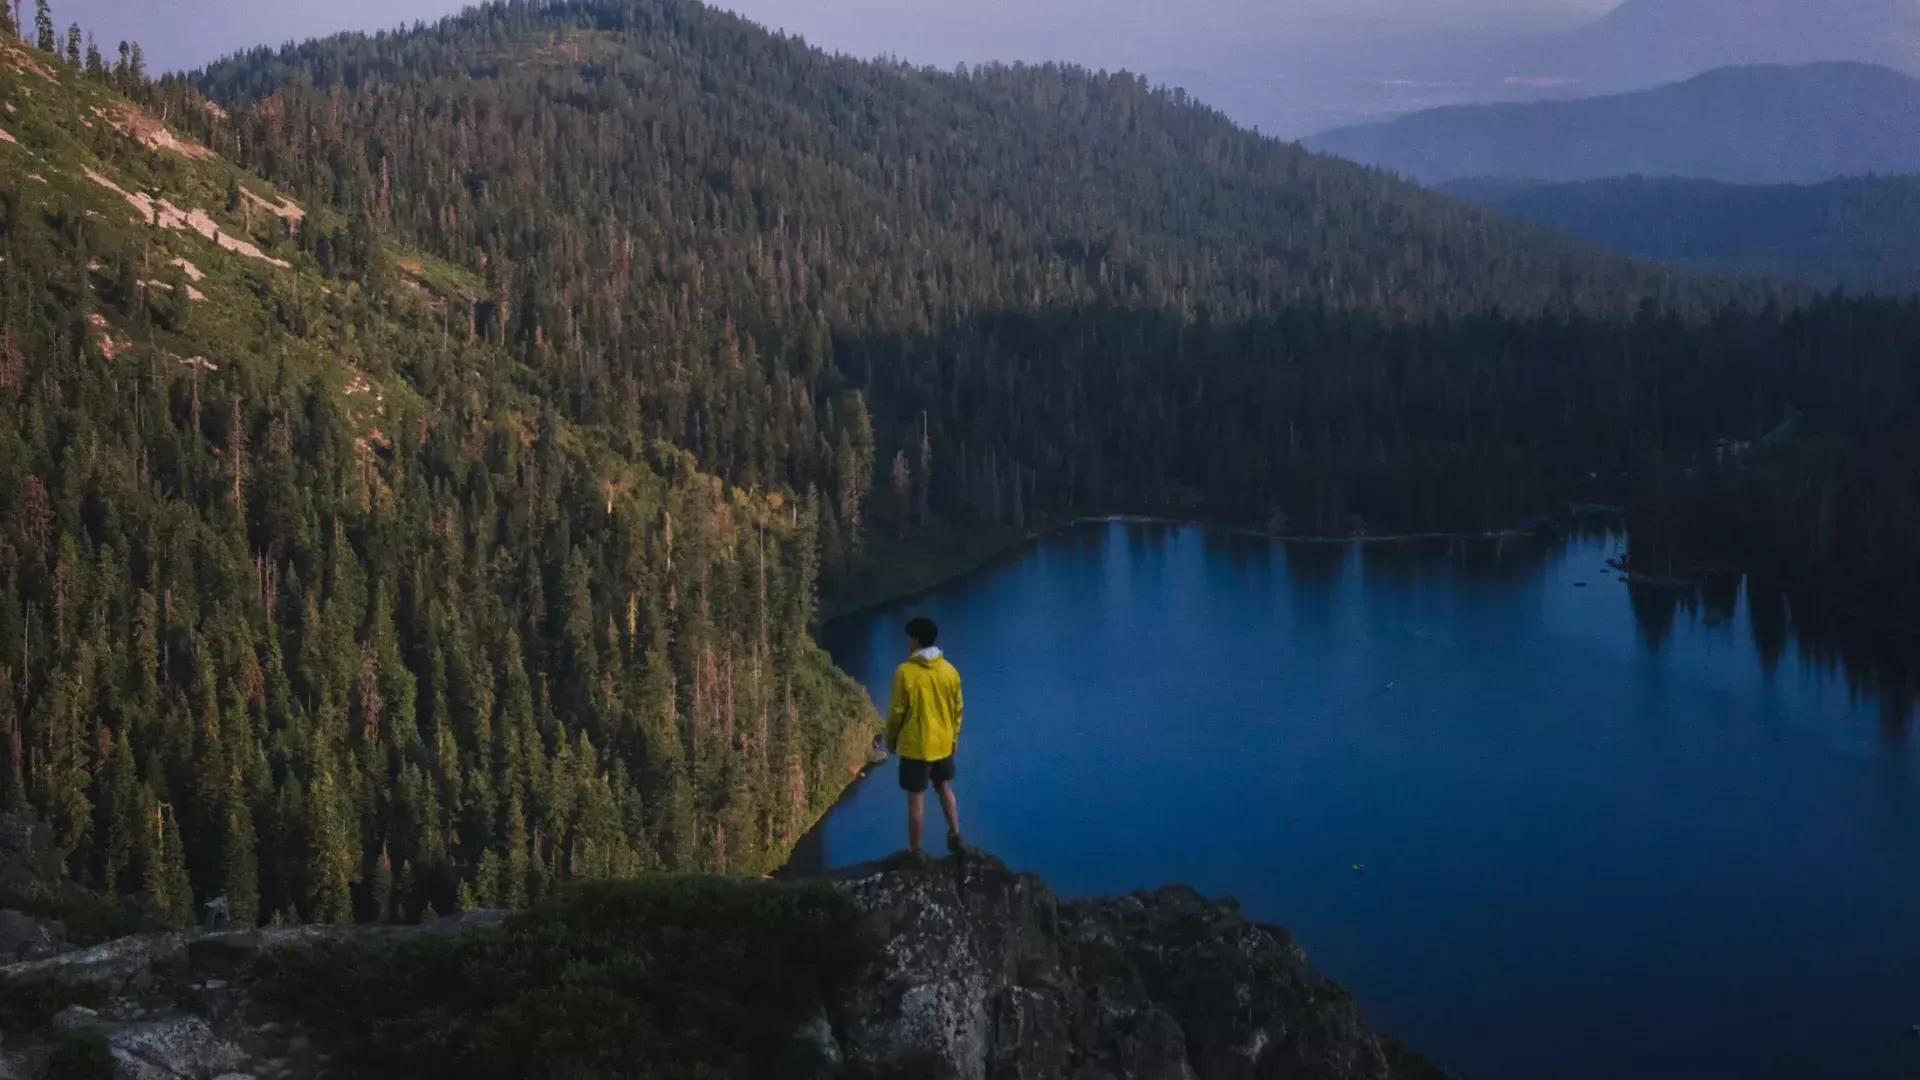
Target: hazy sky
[[1291, 67], [1143, 34]]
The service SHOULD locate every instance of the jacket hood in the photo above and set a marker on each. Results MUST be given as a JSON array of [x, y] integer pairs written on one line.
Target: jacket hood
[[927, 656]]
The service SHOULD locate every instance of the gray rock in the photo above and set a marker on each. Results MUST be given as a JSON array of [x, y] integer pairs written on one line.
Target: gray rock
[[74, 1019], [817, 1032], [24, 937], [233, 1076], [462, 921], [230, 953], [984, 975], [111, 966], [30, 864], [180, 1048]]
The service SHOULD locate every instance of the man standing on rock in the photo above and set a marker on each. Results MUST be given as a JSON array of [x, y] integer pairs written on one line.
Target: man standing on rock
[[923, 727]]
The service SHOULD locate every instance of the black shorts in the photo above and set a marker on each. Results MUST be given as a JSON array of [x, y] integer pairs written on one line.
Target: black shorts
[[915, 774]]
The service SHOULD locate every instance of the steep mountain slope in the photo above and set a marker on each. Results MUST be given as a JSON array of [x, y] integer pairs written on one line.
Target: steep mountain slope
[[689, 217], [1861, 233], [311, 604], [1764, 124], [666, 112]]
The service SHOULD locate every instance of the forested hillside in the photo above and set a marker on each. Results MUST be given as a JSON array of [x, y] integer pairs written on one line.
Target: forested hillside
[[1860, 232], [433, 510], [1058, 291], [693, 226], [312, 603]]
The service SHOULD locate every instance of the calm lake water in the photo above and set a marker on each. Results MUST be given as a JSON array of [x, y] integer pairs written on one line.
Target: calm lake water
[[1606, 832]]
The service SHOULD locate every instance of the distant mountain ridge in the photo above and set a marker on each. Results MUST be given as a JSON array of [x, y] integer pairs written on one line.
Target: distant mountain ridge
[[1862, 233], [1660, 40], [1760, 124]]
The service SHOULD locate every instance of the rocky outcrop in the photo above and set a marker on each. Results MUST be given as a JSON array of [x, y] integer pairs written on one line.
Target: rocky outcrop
[[982, 974], [985, 975], [179, 1006]]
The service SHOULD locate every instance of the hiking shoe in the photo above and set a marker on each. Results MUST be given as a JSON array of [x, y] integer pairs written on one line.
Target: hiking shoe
[[907, 859], [955, 845]]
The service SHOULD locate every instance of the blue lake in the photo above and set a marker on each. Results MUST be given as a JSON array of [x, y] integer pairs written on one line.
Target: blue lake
[[1605, 832]]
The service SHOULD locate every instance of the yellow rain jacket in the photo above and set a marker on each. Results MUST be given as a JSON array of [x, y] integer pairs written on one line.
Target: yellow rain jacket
[[923, 719]]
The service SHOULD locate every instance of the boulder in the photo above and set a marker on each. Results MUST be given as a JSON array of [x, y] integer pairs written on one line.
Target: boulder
[[177, 1048], [114, 966], [30, 865], [462, 921], [985, 975], [25, 937], [75, 1019]]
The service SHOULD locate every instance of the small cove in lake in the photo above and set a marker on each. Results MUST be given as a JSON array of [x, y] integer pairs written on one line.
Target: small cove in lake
[[1605, 831]]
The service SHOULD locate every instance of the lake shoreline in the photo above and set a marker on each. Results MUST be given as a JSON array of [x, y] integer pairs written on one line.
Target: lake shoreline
[[905, 585]]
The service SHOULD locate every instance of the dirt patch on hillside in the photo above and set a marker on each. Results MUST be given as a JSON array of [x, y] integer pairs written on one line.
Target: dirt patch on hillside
[[15, 56], [151, 133], [7, 138], [286, 211], [164, 214]]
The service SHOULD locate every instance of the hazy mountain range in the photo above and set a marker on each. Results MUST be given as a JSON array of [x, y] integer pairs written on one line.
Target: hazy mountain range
[[1645, 41], [1638, 45], [1762, 124]]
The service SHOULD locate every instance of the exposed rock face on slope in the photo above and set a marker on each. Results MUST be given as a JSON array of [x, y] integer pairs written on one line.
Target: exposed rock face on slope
[[983, 975], [990, 977]]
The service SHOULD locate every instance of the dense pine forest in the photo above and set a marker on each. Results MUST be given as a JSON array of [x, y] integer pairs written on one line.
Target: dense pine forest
[[311, 604], [1860, 232], [427, 448]]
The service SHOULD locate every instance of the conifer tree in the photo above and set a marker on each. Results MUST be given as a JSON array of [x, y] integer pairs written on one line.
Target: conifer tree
[[239, 863], [330, 864], [165, 860], [122, 815]]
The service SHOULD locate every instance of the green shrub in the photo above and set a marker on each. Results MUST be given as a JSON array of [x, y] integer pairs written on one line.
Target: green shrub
[[81, 1056], [89, 919], [26, 1005], [667, 978]]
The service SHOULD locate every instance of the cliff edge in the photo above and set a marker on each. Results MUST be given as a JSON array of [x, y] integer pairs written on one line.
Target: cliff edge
[[886, 971]]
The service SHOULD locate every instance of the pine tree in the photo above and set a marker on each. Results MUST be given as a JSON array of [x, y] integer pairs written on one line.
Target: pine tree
[[43, 26], [515, 868], [380, 887], [122, 815], [330, 863], [15, 749], [73, 45], [239, 863], [166, 865]]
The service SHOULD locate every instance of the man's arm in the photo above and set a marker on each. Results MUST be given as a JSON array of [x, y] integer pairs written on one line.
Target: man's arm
[[896, 710]]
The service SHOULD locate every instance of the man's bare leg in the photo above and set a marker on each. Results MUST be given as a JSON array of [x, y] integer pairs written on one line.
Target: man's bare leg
[[916, 819], [949, 807]]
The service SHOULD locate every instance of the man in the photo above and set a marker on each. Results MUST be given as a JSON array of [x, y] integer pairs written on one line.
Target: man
[[923, 727]]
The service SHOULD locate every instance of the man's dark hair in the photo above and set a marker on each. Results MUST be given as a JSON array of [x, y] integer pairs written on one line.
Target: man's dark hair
[[923, 630]]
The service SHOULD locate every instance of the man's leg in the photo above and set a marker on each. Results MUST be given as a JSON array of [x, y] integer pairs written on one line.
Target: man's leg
[[916, 818], [948, 806]]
